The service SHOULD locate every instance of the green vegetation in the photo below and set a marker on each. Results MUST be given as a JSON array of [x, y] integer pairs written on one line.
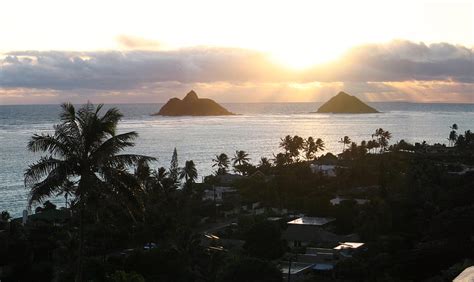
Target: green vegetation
[[125, 220]]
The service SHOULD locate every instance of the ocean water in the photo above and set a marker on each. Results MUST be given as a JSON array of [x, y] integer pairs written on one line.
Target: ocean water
[[257, 129]]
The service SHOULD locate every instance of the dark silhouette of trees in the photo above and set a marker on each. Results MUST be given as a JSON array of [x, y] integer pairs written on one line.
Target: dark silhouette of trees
[[311, 147], [240, 161], [189, 172], [345, 141], [383, 138], [222, 163], [292, 146], [174, 166], [263, 240], [84, 150], [453, 135], [249, 269]]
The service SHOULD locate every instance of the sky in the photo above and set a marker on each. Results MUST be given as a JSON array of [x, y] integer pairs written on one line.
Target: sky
[[126, 51]]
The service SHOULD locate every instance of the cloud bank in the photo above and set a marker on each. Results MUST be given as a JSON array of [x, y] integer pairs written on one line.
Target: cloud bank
[[400, 70]]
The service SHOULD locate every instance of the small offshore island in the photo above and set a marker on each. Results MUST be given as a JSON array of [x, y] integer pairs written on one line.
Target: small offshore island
[[344, 103], [192, 105]]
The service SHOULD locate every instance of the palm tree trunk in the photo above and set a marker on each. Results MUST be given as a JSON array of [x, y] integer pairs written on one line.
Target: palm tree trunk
[[78, 277]]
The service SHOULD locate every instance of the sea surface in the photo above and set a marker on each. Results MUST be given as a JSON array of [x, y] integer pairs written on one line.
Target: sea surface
[[257, 129]]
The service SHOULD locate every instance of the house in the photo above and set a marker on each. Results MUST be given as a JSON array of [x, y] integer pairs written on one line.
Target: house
[[337, 201], [327, 170], [306, 230], [220, 194], [228, 179], [348, 249]]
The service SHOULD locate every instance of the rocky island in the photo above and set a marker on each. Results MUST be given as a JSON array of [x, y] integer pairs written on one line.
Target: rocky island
[[344, 103], [192, 105]]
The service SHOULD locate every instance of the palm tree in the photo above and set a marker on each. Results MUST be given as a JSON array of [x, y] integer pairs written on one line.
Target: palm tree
[[320, 146], [160, 174], [222, 163], [189, 172], [372, 144], [285, 143], [345, 141], [296, 145], [383, 137], [281, 159], [240, 161], [240, 158], [363, 148], [311, 147], [264, 162], [453, 135], [84, 150]]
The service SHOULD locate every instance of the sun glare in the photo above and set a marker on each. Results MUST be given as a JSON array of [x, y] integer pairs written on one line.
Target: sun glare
[[301, 58]]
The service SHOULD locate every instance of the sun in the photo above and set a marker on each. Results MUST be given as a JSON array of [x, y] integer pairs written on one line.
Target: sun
[[299, 58]]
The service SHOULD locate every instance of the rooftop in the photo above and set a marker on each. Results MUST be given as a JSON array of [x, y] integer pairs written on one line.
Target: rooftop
[[349, 245], [466, 276], [317, 221], [296, 267]]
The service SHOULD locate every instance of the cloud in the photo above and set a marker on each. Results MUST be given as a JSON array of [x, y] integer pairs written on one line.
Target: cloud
[[137, 43], [114, 70], [371, 71], [400, 61]]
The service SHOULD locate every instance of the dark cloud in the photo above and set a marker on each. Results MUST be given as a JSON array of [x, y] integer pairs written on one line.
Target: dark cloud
[[113, 70], [135, 70]]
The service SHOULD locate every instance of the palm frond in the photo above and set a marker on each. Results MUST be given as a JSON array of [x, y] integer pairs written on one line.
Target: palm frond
[[110, 120], [47, 143], [68, 113], [114, 145], [126, 160], [42, 168], [48, 187]]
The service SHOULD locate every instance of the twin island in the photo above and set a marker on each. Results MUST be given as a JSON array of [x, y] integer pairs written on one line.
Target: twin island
[[192, 105]]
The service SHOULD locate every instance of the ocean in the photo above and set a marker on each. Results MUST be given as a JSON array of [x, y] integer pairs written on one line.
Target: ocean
[[257, 129]]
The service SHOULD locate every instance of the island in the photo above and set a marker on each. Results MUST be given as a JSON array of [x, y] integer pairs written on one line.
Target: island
[[344, 103], [192, 105]]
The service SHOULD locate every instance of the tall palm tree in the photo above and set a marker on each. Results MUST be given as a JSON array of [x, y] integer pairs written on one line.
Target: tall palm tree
[[84, 150], [222, 163], [383, 137], [309, 148], [345, 141], [453, 135], [189, 172]]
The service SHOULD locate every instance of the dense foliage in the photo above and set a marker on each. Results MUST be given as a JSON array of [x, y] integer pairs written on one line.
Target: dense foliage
[[128, 221]]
